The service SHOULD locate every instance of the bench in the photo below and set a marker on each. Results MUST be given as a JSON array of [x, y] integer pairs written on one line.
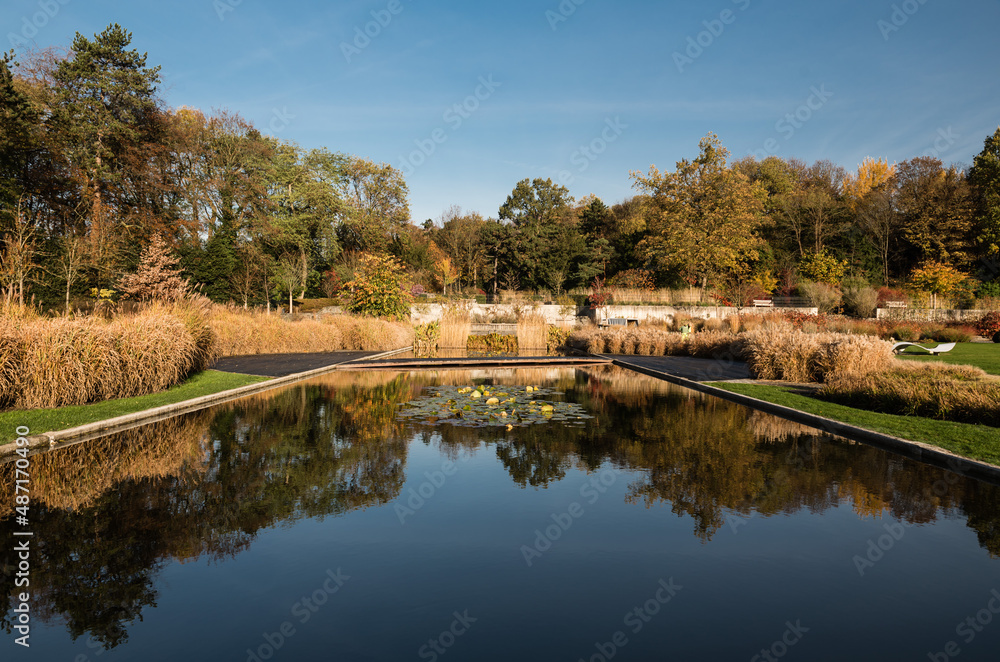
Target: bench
[[895, 304], [621, 321], [940, 349], [763, 303]]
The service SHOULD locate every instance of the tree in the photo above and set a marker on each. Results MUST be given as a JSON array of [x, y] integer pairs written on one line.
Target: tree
[[872, 175], [69, 266], [105, 106], [937, 210], [20, 252], [984, 175], [535, 202], [703, 219], [157, 277], [375, 204], [937, 278], [288, 274], [377, 289]]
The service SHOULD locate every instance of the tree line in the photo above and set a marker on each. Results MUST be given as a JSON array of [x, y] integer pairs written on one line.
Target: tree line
[[94, 168]]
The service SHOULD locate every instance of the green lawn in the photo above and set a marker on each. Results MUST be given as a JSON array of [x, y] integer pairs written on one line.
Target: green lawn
[[973, 441], [984, 355], [47, 420]]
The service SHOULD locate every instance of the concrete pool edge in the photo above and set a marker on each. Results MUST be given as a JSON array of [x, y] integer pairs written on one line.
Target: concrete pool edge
[[914, 450], [82, 433]]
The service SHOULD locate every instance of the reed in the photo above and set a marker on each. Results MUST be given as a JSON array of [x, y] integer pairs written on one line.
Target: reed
[[456, 325], [532, 332]]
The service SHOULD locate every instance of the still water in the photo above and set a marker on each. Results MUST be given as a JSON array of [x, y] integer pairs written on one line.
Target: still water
[[649, 523]]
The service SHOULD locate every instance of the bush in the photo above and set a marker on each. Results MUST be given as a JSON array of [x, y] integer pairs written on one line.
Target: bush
[[378, 289], [781, 353], [821, 295], [988, 324], [859, 298]]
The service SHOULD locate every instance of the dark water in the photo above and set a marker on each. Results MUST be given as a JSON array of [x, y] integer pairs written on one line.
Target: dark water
[[312, 524]]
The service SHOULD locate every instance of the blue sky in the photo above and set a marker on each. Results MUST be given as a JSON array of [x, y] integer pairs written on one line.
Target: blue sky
[[582, 91]]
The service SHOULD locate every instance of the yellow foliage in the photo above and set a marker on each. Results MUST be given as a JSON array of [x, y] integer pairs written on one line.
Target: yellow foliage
[[872, 175]]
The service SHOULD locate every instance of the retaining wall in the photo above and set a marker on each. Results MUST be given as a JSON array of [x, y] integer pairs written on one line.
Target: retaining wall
[[929, 314]]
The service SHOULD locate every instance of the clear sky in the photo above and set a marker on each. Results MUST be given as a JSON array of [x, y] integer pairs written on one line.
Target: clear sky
[[468, 98]]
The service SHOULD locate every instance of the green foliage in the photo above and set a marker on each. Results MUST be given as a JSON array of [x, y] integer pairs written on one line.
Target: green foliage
[[378, 289], [634, 279], [985, 178]]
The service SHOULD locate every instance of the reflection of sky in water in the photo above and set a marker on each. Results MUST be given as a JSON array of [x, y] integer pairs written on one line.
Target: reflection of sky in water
[[220, 528]]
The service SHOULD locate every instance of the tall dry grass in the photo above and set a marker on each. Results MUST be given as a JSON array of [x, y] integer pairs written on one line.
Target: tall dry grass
[[774, 351], [532, 332], [456, 326], [64, 361], [46, 362], [779, 352], [964, 394], [239, 333]]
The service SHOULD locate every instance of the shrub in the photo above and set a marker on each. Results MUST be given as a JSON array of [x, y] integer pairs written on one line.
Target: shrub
[[859, 298], [821, 295], [988, 324], [378, 289], [780, 353]]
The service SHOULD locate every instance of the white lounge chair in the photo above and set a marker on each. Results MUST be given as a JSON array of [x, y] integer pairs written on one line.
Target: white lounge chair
[[946, 347]]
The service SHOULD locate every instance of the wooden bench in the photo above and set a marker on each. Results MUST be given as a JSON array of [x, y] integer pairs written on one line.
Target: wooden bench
[[895, 304], [621, 321], [763, 303]]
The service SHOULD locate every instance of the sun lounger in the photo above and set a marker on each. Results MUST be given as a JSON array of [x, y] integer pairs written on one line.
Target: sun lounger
[[946, 347]]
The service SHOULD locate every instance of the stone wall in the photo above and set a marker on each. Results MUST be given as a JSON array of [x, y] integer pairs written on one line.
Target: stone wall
[[929, 314], [567, 315]]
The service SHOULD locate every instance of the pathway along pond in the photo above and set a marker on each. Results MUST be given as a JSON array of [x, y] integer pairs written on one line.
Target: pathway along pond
[[351, 518]]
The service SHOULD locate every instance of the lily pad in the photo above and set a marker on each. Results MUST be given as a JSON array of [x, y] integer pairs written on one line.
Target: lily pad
[[480, 407]]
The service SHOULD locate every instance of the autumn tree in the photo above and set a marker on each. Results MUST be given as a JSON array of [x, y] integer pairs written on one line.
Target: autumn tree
[[872, 175], [157, 277], [461, 237], [704, 218], [937, 278]]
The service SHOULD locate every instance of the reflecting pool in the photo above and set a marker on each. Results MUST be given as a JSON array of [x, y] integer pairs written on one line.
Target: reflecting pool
[[351, 518]]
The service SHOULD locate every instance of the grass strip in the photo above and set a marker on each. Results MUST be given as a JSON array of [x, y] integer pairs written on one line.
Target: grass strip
[[40, 421], [983, 355], [978, 442]]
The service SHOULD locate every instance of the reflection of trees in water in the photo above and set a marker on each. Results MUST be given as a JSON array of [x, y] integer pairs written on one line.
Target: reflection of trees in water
[[710, 459], [108, 514]]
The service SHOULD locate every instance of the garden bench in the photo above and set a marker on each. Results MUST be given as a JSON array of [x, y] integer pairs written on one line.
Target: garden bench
[[900, 346], [895, 304], [621, 321], [763, 303]]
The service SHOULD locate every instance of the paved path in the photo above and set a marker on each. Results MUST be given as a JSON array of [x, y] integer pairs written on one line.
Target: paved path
[[280, 365], [688, 367]]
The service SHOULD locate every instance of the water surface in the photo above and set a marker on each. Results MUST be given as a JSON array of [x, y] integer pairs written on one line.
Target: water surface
[[316, 524]]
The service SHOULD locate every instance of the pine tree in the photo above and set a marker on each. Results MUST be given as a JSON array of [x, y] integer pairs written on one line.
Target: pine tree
[[157, 277]]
